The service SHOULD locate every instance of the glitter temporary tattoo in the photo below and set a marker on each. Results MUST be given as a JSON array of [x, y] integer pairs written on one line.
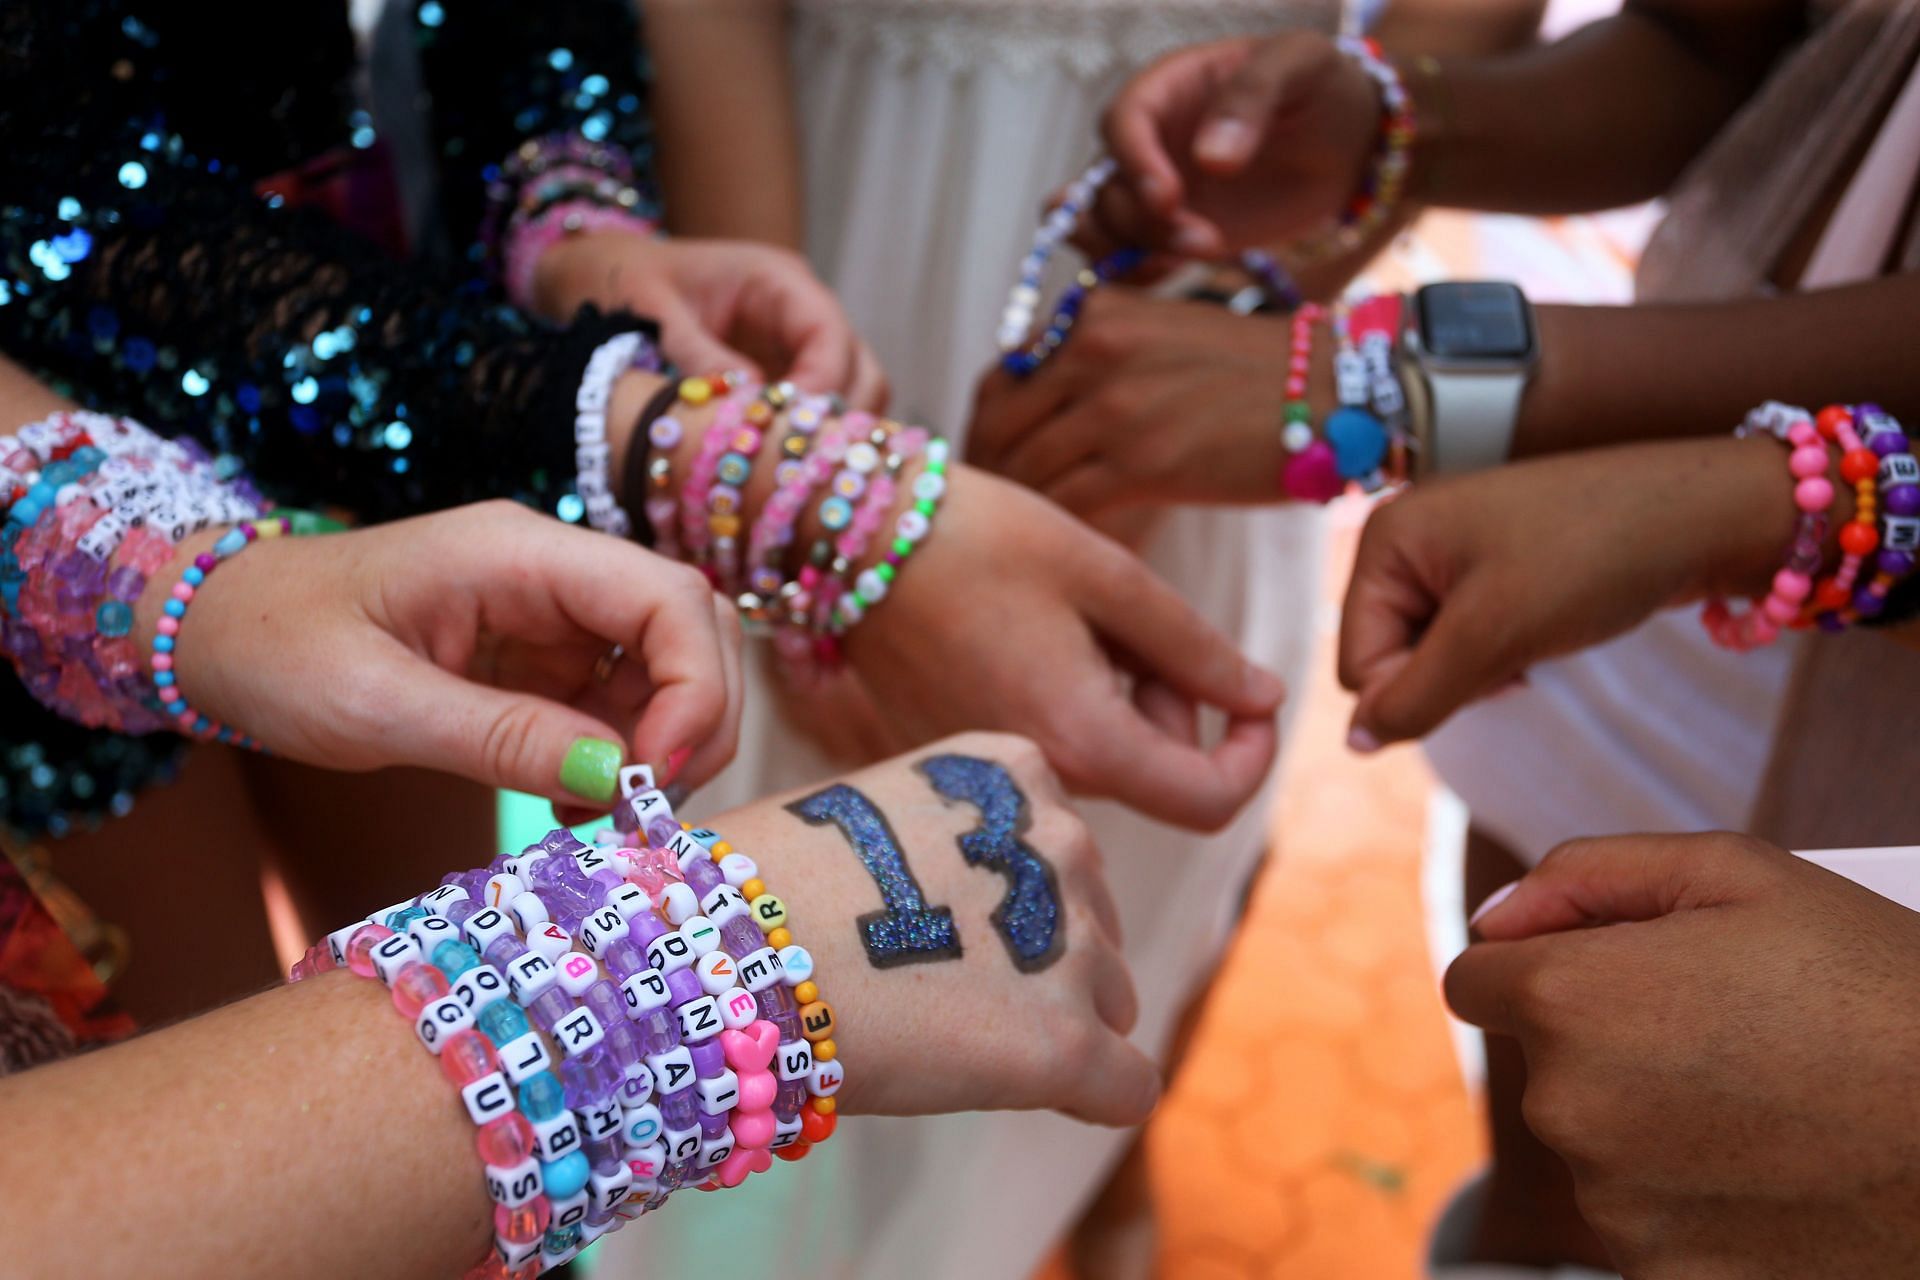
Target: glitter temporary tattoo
[[1028, 918], [908, 930]]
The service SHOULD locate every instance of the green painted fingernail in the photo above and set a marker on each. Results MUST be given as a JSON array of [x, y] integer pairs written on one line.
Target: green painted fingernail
[[591, 768]]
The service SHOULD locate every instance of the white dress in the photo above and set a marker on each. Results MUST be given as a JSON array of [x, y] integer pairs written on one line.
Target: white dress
[[933, 131]]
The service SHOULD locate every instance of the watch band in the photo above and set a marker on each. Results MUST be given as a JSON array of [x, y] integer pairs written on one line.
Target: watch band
[[1471, 416]]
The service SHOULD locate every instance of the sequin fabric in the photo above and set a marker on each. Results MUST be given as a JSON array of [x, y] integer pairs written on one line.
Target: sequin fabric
[[142, 272]]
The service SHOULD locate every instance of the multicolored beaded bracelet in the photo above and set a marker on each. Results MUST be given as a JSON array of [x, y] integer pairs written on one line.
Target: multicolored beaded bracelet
[[1380, 191], [1860, 535], [1311, 472], [1359, 439], [173, 701], [1898, 475], [910, 530], [1812, 494]]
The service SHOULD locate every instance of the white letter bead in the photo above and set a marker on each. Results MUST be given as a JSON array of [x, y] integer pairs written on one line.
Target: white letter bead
[[441, 1019], [1902, 532], [647, 1162], [718, 1095], [760, 969], [679, 902], [431, 931], [549, 940], [529, 975], [529, 913], [591, 1231], [577, 973], [641, 1126], [796, 965], [699, 1019], [722, 903], [672, 1070], [487, 1098], [515, 1253], [479, 987], [572, 1211], [629, 900], [602, 929], [683, 1144], [590, 860], [337, 941], [609, 1189], [701, 934], [601, 1122], [825, 1080], [555, 1137], [502, 889], [516, 1184], [394, 953], [794, 1060], [738, 1009], [683, 846], [644, 991], [738, 868], [716, 972], [670, 952], [524, 1056], [714, 1150], [487, 926], [635, 778], [578, 1031], [637, 1086], [445, 896], [785, 1133]]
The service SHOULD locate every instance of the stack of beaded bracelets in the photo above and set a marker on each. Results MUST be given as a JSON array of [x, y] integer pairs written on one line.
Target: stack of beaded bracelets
[[1363, 441], [699, 1052], [1881, 466], [550, 188]]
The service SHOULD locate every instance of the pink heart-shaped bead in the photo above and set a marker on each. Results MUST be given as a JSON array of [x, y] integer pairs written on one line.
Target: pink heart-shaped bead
[[751, 1049], [733, 1171]]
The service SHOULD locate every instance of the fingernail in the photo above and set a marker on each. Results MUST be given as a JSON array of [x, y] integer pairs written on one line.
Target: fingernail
[[1192, 241], [1264, 686], [1224, 140], [1494, 899], [1152, 188], [1360, 739], [591, 769], [676, 761]]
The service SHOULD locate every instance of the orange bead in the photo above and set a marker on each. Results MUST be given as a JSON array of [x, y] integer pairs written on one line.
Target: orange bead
[[720, 849], [806, 993], [753, 888], [825, 1106], [1858, 539], [825, 1051], [717, 385], [1831, 595], [795, 1152], [816, 1021], [815, 1127], [780, 939], [1830, 419], [1859, 464]]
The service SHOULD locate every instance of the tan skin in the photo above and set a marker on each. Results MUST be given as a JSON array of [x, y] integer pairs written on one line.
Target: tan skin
[[276, 1089]]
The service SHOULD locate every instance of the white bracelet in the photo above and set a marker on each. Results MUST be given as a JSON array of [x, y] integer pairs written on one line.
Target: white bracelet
[[591, 451]]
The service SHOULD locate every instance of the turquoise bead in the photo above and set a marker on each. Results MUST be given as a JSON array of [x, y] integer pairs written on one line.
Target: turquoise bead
[[1359, 442], [454, 958], [541, 1097], [566, 1176], [163, 644], [176, 608], [114, 618], [502, 1021], [229, 543], [193, 576], [399, 920]]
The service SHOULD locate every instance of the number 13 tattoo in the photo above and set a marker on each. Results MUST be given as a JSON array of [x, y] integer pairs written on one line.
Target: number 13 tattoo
[[907, 930]]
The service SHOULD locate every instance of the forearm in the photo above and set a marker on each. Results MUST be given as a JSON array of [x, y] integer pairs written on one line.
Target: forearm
[[728, 155], [1605, 117], [1608, 375]]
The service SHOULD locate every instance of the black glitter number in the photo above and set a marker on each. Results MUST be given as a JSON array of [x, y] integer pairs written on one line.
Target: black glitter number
[[908, 930], [1028, 918]]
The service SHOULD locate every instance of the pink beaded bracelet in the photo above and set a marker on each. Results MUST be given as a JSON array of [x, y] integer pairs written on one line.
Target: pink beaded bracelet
[[174, 702], [1813, 495], [529, 241]]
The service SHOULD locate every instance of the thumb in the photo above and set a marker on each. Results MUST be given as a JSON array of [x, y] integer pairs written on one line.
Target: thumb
[[1236, 121], [688, 343], [1410, 681], [516, 741], [1620, 879]]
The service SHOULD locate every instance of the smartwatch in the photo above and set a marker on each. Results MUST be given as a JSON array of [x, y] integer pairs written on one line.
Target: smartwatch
[[1472, 346]]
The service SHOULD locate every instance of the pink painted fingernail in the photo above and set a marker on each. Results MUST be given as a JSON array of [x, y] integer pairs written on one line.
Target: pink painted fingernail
[[1361, 740], [1224, 141], [676, 761], [1494, 899]]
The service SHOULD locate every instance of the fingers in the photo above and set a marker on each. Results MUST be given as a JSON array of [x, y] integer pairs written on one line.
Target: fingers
[[1624, 878], [1486, 983], [1047, 450], [1087, 490], [870, 391], [1006, 409], [718, 751], [1117, 1084], [1155, 114], [824, 350], [689, 344], [1234, 125], [1413, 660]]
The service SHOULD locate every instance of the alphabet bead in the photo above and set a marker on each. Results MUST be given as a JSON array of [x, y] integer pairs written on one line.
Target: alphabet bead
[[602, 929], [500, 890], [528, 912], [795, 1060], [479, 987], [738, 1009], [602, 1121], [785, 1132], [683, 1144], [699, 1019], [701, 934], [714, 1150], [796, 964], [515, 1184], [392, 954], [431, 931], [610, 1188], [577, 972], [738, 868], [722, 903], [670, 952], [816, 1020], [672, 1070], [768, 912], [629, 900], [718, 1094], [646, 1162], [529, 976], [825, 1080], [524, 1056], [487, 1098], [338, 939], [761, 969], [578, 1031], [515, 1254], [555, 1136], [441, 1019], [438, 900], [549, 940], [487, 926], [570, 1210], [591, 860], [645, 990], [716, 972], [641, 1126]]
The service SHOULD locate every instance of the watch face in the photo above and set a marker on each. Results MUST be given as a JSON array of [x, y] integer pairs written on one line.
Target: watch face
[[1474, 321]]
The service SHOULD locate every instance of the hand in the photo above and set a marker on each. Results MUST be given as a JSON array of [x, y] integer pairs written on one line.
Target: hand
[[468, 642], [720, 304], [1151, 400], [1015, 616], [970, 1032], [1726, 1063], [1461, 584], [1236, 144]]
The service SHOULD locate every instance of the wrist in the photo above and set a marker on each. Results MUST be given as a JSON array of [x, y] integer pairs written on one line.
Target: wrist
[[1751, 518], [589, 266]]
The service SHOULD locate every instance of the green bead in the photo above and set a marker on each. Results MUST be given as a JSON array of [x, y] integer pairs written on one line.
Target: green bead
[[924, 507], [885, 571], [901, 547], [1299, 411], [937, 466], [308, 523]]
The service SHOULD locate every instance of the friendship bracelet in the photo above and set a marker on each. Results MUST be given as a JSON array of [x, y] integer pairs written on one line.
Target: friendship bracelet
[[1898, 475], [609, 361], [698, 500], [1311, 472], [1380, 190], [910, 531], [1359, 439], [1375, 323], [800, 470], [1812, 495], [528, 242], [190, 722], [1859, 536], [735, 470], [649, 473]]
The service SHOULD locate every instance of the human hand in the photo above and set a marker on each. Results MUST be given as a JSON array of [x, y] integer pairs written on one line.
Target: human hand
[[1463, 583], [1236, 144], [720, 304], [468, 642], [1015, 616], [1034, 1018], [1152, 400], [1720, 1042]]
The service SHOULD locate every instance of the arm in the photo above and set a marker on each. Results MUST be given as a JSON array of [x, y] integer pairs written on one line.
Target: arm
[[729, 160], [356, 1128]]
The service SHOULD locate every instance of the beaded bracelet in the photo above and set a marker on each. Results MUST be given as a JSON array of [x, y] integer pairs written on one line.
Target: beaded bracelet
[[1898, 475], [910, 530], [801, 469], [1859, 536], [645, 494], [1359, 440], [1311, 471], [734, 471], [529, 241], [1380, 190], [1375, 322], [190, 722], [1812, 494], [703, 497], [902, 445], [608, 362]]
